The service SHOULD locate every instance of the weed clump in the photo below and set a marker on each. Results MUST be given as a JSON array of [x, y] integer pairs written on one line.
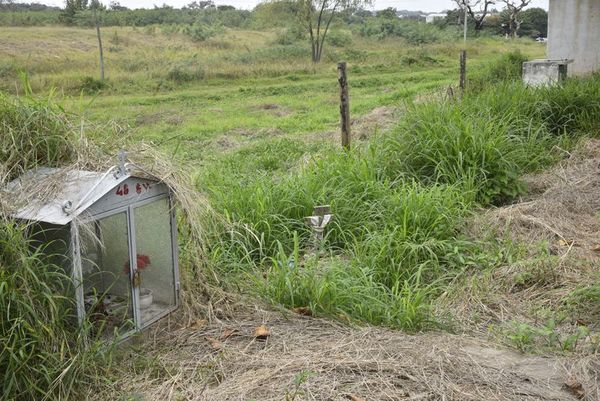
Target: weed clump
[[33, 132], [201, 32], [90, 85], [45, 353], [411, 31], [183, 73], [506, 68]]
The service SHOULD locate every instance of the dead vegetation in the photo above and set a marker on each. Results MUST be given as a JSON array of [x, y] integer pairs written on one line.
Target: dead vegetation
[[304, 358], [548, 294], [564, 206], [377, 120]]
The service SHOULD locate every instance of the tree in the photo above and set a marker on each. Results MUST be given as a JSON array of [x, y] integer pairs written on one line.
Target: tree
[[316, 16], [116, 6], [514, 8], [534, 22], [389, 13], [201, 5], [72, 7], [477, 10]]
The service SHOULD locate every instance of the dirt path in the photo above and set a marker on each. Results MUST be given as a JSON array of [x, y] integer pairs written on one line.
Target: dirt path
[[317, 359]]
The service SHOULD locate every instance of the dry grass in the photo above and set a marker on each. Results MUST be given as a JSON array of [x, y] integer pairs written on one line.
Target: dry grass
[[558, 230], [316, 359], [563, 208]]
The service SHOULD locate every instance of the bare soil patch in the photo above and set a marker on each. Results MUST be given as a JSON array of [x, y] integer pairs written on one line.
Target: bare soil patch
[[378, 119]]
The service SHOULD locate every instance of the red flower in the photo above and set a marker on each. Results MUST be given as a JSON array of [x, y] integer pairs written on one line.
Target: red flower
[[142, 262]]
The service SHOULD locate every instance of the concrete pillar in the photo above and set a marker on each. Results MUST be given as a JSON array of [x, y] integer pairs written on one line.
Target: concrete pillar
[[574, 33]]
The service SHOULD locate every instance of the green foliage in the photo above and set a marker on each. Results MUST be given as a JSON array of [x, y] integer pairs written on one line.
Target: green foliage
[[290, 35], [200, 31], [8, 69], [339, 38], [534, 22], [347, 291], [399, 202], [275, 14], [506, 68], [465, 143], [90, 85], [299, 380], [72, 7], [413, 32], [34, 131], [528, 338], [44, 353], [186, 72], [584, 303], [274, 54], [536, 272]]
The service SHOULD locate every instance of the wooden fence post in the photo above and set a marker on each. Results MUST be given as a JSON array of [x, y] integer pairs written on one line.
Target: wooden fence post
[[344, 105], [463, 71]]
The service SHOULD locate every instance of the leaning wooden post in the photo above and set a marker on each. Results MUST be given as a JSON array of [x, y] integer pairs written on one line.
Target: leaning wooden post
[[344, 105], [463, 71]]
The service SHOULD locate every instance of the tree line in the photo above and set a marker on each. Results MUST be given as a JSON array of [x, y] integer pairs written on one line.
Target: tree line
[[512, 21], [309, 20]]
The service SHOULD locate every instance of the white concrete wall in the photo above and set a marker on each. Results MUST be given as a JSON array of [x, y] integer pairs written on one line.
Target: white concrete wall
[[574, 33]]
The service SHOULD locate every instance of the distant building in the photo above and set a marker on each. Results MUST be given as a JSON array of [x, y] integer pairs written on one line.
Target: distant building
[[413, 15], [431, 18], [573, 32]]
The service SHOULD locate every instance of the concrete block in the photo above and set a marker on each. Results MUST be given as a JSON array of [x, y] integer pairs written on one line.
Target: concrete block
[[544, 72]]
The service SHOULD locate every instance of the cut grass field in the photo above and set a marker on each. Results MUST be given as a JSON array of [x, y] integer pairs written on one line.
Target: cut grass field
[[204, 98]]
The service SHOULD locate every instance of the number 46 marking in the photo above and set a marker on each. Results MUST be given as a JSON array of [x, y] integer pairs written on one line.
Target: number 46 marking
[[122, 190]]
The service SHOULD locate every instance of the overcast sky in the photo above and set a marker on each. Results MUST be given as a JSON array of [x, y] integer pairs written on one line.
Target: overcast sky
[[423, 5]]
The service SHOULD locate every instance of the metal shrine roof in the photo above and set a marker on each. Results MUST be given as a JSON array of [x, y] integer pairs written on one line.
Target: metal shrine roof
[[69, 192]]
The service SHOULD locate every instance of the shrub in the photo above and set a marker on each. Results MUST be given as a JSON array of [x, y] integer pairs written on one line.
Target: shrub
[[506, 68], [339, 38], [289, 36], [200, 32], [412, 31], [187, 72], [451, 143], [33, 132], [90, 85]]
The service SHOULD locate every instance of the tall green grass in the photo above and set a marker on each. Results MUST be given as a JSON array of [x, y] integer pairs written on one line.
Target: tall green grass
[[44, 353], [33, 131], [399, 201]]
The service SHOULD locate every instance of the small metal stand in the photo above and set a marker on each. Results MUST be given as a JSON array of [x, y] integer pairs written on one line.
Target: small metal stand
[[122, 168], [318, 221]]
